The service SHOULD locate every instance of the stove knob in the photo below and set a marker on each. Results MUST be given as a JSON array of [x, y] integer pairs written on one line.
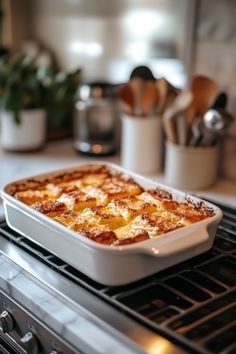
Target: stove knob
[[6, 322], [29, 343]]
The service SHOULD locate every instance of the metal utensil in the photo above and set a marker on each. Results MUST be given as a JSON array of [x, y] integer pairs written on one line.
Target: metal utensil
[[197, 131], [221, 101], [215, 123], [208, 137], [217, 120]]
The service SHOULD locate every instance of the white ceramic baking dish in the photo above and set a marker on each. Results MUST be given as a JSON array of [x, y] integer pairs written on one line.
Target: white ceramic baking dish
[[105, 264]]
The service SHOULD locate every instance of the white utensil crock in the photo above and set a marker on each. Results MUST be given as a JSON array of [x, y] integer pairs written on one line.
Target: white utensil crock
[[141, 144], [190, 167], [28, 135]]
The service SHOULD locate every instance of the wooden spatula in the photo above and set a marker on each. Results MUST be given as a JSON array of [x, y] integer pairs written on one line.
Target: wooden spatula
[[137, 84], [149, 98], [204, 93], [162, 88], [127, 99]]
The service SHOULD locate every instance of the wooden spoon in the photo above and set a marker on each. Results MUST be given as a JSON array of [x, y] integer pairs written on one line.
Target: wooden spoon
[[169, 125], [175, 111], [149, 98], [127, 99], [137, 84], [204, 93], [162, 88], [180, 103]]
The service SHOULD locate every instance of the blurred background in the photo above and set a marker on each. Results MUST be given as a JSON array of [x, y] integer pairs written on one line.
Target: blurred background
[[105, 38], [176, 39]]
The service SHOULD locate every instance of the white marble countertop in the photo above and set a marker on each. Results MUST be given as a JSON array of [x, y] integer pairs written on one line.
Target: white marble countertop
[[58, 155], [60, 315]]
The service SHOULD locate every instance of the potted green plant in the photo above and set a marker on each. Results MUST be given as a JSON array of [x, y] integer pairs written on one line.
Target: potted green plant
[[29, 96], [61, 88], [22, 100]]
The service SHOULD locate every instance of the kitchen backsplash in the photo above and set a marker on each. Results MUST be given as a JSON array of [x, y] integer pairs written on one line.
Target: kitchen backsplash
[[108, 38], [214, 55], [215, 47]]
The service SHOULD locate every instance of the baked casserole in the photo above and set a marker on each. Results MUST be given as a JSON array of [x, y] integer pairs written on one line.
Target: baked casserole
[[105, 206]]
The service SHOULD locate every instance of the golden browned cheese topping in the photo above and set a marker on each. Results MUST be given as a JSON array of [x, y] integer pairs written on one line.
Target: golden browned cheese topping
[[98, 233], [67, 218], [77, 200], [133, 236], [99, 215], [105, 207], [31, 196], [50, 207], [131, 206], [112, 188], [62, 188]]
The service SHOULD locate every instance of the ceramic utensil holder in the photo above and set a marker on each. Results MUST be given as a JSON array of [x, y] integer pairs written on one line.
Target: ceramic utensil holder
[[141, 144], [191, 167]]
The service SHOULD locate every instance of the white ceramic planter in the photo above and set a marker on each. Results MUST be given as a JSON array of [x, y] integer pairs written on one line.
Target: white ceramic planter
[[28, 135]]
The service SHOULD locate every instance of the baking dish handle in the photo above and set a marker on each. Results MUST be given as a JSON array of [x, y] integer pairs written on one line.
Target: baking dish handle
[[182, 243]]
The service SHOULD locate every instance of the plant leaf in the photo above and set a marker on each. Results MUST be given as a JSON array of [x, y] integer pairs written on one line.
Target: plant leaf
[[17, 117]]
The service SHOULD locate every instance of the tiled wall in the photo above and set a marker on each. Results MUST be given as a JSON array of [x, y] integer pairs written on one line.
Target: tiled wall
[[215, 50], [108, 38], [215, 56]]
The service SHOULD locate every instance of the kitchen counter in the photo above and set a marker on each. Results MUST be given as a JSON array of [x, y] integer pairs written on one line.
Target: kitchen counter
[[58, 155]]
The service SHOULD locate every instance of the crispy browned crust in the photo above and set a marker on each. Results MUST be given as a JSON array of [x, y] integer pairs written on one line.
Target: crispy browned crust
[[100, 212], [67, 218], [32, 196], [161, 193], [105, 207], [61, 188], [99, 234], [135, 235], [77, 200], [50, 207], [157, 222]]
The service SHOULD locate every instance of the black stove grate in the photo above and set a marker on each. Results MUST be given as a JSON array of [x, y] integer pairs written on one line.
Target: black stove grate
[[193, 303]]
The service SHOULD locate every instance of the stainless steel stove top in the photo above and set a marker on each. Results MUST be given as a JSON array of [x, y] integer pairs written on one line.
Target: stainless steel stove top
[[188, 308]]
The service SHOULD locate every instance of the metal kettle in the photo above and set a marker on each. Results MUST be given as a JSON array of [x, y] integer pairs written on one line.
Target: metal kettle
[[95, 119]]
